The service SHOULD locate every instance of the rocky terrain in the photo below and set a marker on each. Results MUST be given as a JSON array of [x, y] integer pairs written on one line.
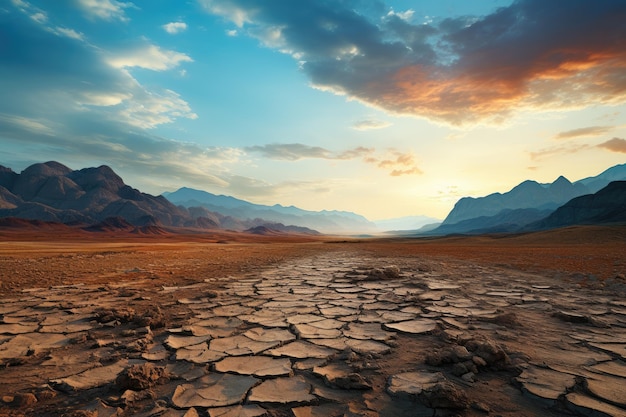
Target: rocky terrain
[[181, 326]]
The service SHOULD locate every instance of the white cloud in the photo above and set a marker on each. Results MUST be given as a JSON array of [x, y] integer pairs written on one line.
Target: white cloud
[[105, 9], [150, 57], [70, 33], [406, 15], [149, 109], [175, 27], [370, 124]]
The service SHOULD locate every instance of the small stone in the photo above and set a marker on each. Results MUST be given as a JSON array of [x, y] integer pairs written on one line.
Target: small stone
[[469, 377], [478, 361], [21, 400], [459, 369], [140, 377], [478, 406]]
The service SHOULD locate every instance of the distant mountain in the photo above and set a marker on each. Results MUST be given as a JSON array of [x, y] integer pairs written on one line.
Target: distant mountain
[[53, 192], [528, 194], [606, 206], [594, 184], [324, 221], [522, 205], [280, 229], [98, 198], [405, 223], [505, 221]]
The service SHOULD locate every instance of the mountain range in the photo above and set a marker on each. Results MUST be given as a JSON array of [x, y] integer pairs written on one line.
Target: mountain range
[[99, 199], [531, 206], [325, 221]]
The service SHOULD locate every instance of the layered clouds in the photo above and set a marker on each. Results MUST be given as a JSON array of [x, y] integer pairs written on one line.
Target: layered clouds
[[238, 97], [67, 98], [530, 56]]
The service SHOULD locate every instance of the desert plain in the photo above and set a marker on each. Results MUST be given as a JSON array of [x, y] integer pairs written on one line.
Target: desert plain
[[230, 324]]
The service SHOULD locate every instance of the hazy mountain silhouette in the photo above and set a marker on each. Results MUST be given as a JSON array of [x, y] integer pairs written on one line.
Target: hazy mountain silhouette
[[528, 194], [526, 203], [606, 206], [98, 197], [53, 192], [325, 220]]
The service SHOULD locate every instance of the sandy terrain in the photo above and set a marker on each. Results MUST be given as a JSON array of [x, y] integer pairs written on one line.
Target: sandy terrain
[[512, 326]]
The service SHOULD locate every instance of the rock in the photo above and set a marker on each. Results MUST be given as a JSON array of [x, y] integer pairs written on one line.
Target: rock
[[213, 390], [444, 395], [91, 378], [282, 391], [23, 400], [545, 384], [260, 366], [571, 317], [589, 406], [492, 353], [411, 384], [302, 350], [431, 389], [417, 326], [342, 376], [240, 345], [140, 377]]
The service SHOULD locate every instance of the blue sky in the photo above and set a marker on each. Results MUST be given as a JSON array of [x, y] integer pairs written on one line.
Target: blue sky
[[386, 109]]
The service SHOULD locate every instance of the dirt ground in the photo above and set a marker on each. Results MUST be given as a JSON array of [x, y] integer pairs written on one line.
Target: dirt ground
[[585, 257], [40, 258]]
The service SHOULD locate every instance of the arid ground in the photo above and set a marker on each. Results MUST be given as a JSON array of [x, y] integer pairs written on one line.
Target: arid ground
[[228, 324]]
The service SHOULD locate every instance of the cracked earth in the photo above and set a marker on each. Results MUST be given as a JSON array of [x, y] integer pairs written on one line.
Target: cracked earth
[[326, 333]]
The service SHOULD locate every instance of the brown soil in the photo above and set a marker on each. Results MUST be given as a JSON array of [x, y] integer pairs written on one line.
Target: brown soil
[[48, 256]]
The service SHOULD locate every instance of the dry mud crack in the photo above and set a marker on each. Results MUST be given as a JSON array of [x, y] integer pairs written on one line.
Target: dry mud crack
[[327, 335]]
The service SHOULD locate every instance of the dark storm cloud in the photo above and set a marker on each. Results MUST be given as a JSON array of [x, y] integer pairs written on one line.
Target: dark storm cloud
[[531, 55]]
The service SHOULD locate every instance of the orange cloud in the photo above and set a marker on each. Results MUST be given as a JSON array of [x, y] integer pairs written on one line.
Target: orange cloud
[[532, 55], [584, 131], [398, 164], [615, 145]]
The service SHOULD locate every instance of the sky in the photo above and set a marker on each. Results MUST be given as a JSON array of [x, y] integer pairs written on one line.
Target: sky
[[383, 108]]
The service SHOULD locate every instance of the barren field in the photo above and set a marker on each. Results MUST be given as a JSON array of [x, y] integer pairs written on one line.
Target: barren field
[[105, 324]]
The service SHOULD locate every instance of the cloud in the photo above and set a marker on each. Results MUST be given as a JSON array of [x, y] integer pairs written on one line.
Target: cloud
[[530, 56], [397, 163], [557, 150], [297, 151], [105, 9], [614, 145], [584, 131], [370, 124], [150, 57], [175, 27], [62, 100], [70, 33]]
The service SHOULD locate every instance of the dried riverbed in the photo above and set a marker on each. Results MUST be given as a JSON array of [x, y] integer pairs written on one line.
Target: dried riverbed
[[334, 333]]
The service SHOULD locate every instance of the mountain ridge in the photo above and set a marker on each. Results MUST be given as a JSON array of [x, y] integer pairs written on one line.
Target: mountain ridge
[[326, 221], [98, 198]]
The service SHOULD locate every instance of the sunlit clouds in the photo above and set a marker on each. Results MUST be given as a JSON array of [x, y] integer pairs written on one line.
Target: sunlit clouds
[[614, 145], [175, 27], [378, 107], [105, 9], [529, 56]]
